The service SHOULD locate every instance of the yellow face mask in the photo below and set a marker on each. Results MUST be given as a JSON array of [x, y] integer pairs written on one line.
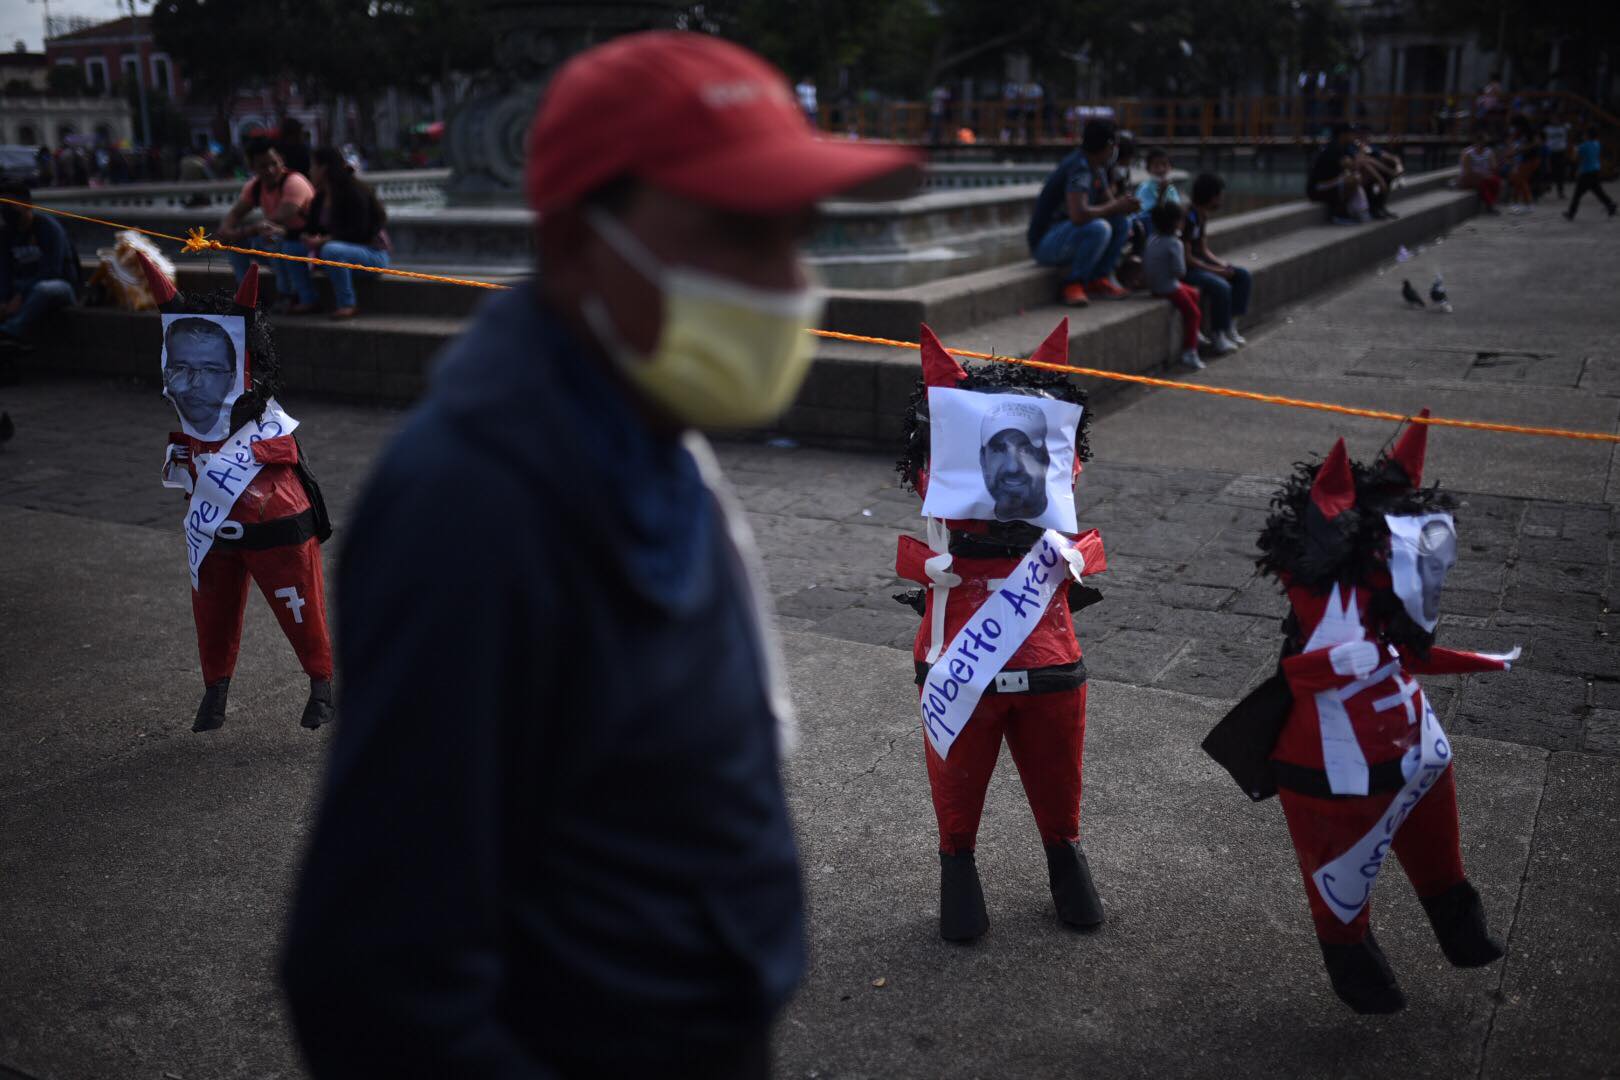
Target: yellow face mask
[[728, 355]]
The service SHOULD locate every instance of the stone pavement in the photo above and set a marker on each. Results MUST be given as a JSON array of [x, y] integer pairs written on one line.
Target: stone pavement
[[143, 870]]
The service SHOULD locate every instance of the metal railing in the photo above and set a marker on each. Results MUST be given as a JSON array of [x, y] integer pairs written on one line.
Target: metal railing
[[394, 187], [1247, 121]]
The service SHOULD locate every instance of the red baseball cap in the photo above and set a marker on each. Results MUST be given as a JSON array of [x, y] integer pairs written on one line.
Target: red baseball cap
[[696, 116]]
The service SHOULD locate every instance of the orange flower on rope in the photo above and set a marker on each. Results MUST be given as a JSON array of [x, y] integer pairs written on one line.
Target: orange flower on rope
[[197, 239]]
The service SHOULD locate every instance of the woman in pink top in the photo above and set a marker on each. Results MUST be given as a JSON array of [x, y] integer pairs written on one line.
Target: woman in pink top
[[284, 197]]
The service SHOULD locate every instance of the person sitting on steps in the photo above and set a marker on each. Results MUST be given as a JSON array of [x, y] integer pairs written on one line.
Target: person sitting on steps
[[1164, 266], [1224, 287], [1078, 224], [345, 225], [284, 196]]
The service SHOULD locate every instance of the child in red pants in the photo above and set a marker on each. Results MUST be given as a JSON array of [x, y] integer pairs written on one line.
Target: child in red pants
[[1163, 266]]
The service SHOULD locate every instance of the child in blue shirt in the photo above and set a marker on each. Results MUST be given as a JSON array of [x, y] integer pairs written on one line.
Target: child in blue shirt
[[1151, 193], [1589, 174]]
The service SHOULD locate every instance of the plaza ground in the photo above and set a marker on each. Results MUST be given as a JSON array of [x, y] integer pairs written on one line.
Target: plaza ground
[[144, 870]]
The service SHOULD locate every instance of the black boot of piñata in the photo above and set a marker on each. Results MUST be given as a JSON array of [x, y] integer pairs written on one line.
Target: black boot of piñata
[[211, 713], [1078, 904], [1362, 977], [962, 917], [1458, 918], [319, 709]]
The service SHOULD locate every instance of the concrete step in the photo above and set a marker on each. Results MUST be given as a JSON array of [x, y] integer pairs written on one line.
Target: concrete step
[[855, 394], [968, 244], [974, 299]]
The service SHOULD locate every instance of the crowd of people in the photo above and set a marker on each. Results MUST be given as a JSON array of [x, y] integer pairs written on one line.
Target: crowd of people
[[1530, 159], [82, 163], [1110, 235]]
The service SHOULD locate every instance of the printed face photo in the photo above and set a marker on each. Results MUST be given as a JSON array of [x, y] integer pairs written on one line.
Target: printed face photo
[[1013, 459], [203, 370], [1001, 457], [1422, 551], [1437, 552]]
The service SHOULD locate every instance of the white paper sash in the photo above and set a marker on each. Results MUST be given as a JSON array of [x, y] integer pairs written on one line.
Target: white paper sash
[[1346, 883], [991, 636], [221, 478]]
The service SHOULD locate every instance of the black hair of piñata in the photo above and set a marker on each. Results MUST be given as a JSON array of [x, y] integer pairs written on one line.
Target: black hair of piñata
[[1355, 544], [991, 377], [264, 367]]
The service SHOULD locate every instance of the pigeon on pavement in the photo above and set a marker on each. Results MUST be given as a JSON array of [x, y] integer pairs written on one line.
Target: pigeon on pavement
[[1437, 293], [1410, 295]]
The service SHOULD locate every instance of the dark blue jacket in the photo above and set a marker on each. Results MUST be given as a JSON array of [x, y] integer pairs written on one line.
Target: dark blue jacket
[[553, 824], [42, 253]]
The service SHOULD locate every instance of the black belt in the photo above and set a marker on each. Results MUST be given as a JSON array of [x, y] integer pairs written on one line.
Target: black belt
[[1384, 776], [282, 532], [1046, 680]]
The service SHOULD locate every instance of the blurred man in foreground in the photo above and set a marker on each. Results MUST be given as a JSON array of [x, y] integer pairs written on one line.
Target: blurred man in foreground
[[553, 839]]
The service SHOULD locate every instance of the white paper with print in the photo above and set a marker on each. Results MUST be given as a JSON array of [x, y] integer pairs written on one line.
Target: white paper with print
[[1001, 457], [1346, 883], [1422, 550], [204, 371]]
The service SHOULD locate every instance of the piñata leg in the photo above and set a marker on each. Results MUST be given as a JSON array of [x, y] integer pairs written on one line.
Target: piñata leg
[[1430, 849], [293, 584], [1046, 734], [1322, 830], [217, 605], [958, 784]]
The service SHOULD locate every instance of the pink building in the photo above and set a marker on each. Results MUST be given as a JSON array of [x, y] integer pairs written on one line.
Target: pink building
[[110, 51]]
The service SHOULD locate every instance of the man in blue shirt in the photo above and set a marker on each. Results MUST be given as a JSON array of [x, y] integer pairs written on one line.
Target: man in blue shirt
[[1078, 223], [1589, 174], [35, 275], [553, 839]]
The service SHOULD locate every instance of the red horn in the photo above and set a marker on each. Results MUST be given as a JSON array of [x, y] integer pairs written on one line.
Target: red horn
[[157, 281], [1334, 491], [247, 293], [1410, 449], [939, 367], [1055, 349]]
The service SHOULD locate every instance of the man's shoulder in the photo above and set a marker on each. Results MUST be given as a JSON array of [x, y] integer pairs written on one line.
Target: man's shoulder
[[297, 187], [46, 225], [435, 479]]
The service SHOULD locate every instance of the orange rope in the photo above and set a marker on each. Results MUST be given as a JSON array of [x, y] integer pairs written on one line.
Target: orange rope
[[1244, 395], [199, 241], [93, 220]]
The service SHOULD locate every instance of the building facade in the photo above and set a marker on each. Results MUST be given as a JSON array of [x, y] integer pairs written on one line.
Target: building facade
[[1399, 57], [57, 122], [109, 53]]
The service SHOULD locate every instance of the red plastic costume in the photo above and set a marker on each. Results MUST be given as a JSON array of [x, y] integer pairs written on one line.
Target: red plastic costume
[[1352, 689], [277, 502], [1044, 725], [1044, 731], [289, 576]]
